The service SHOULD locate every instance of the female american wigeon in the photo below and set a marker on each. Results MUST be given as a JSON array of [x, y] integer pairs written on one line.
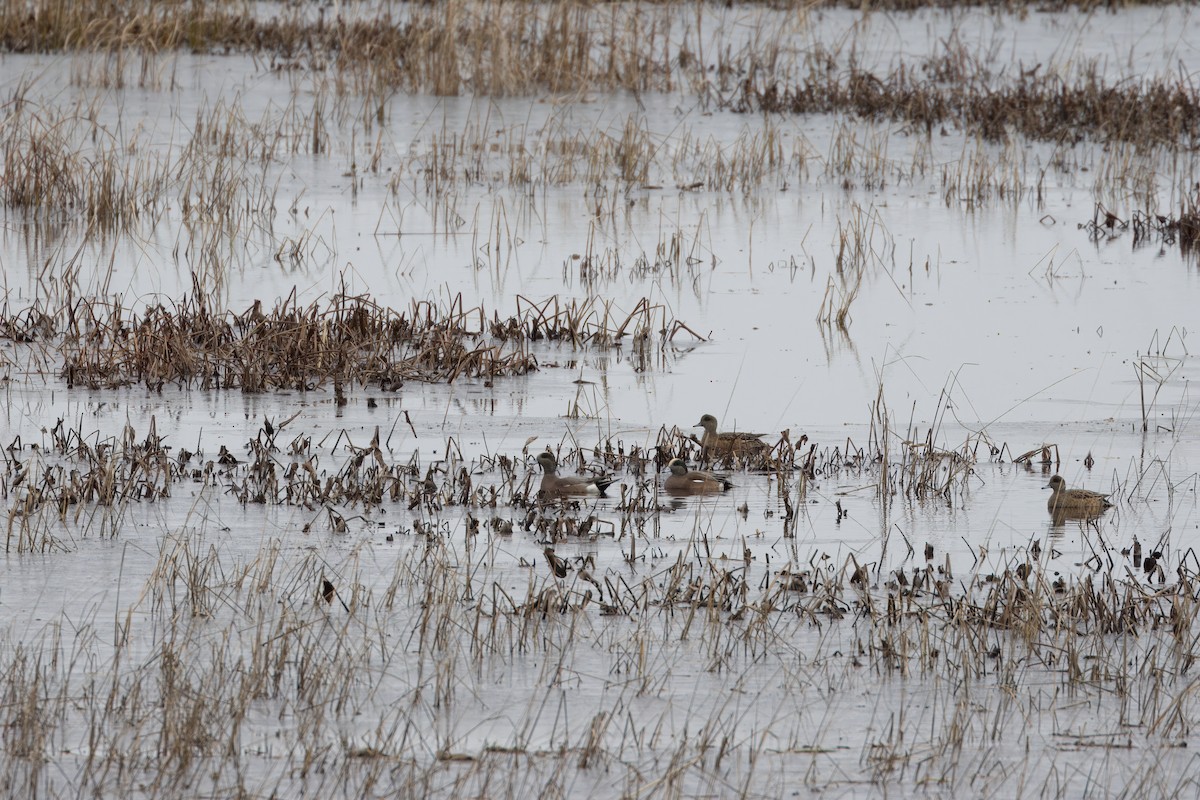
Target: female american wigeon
[[689, 481], [726, 443], [1074, 501], [554, 485]]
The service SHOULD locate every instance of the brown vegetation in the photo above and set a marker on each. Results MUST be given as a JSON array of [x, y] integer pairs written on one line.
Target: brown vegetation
[[1040, 107], [346, 341]]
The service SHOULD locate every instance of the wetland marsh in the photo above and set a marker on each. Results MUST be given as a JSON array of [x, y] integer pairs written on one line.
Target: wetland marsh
[[296, 294]]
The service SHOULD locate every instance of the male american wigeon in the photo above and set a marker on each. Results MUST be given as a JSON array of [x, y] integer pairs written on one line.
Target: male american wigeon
[[689, 481], [1074, 501], [554, 485], [733, 443]]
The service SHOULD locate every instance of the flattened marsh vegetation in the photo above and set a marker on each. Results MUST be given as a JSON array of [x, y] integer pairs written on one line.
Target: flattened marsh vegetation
[[347, 341], [295, 297]]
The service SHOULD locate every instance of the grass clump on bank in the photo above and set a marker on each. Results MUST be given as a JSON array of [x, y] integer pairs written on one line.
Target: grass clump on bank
[[344, 341]]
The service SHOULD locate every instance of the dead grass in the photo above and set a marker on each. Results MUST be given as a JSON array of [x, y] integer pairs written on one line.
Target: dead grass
[[495, 49], [343, 342], [77, 484], [639, 648], [222, 176], [863, 247], [1151, 229], [346, 341], [62, 166], [447, 48], [960, 94], [283, 670], [47, 167]]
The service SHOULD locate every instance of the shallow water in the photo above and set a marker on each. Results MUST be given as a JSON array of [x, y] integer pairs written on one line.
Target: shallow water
[[980, 321]]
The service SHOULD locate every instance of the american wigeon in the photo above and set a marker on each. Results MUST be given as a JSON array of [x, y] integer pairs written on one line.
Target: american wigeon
[[554, 485], [733, 443], [1074, 501], [690, 481]]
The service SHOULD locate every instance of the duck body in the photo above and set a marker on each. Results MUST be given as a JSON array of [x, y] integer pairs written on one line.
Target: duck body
[[725, 443], [1074, 501], [555, 485], [689, 481]]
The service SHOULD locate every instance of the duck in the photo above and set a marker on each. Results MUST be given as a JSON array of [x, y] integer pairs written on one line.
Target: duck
[[733, 443], [686, 481], [555, 485], [1074, 501]]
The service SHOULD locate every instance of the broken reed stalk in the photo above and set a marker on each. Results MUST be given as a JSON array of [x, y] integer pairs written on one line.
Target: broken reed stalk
[[856, 250]]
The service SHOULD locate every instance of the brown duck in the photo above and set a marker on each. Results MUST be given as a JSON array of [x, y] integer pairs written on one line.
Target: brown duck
[[689, 481], [1074, 501], [726, 443], [555, 485]]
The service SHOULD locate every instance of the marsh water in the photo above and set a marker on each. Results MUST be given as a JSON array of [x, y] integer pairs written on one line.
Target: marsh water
[[984, 317]]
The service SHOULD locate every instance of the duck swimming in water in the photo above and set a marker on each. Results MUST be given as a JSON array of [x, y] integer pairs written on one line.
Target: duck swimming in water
[[555, 485], [1074, 501], [689, 481], [735, 443]]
